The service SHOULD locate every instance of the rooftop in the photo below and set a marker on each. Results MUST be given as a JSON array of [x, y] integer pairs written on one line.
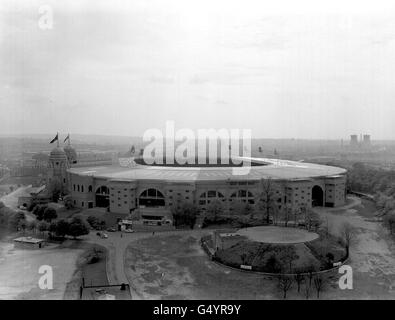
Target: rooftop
[[29, 240], [274, 169]]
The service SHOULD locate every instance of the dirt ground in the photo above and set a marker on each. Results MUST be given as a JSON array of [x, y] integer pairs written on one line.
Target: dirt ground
[[19, 270], [175, 267], [372, 252]]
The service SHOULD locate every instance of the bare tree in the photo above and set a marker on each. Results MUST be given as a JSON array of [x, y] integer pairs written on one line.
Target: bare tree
[[307, 288], [287, 257], [286, 214], [312, 219], [319, 283], [267, 200], [389, 221], [284, 283], [347, 232], [299, 278]]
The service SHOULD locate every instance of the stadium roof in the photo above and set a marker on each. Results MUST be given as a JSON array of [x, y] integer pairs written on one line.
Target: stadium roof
[[273, 168]]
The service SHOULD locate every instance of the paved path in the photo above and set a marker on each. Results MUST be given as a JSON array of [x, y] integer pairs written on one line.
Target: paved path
[[372, 254], [11, 199], [116, 246]]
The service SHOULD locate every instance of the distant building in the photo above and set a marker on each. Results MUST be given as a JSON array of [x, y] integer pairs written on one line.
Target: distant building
[[366, 140], [29, 243], [37, 195], [57, 169], [354, 140]]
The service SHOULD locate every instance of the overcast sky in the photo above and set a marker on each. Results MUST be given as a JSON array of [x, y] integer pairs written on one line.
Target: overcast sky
[[302, 69]]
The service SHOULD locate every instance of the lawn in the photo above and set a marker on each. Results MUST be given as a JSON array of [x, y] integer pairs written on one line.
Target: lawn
[[175, 267]]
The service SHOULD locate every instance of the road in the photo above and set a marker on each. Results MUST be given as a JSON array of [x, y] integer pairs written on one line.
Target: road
[[372, 252], [116, 244]]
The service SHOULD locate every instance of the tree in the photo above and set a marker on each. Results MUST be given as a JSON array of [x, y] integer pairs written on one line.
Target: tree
[[94, 222], [214, 210], [32, 226], [185, 213], [347, 234], [77, 227], [299, 278], [68, 203], [62, 228], [272, 265], [43, 226], [52, 227], [312, 219], [287, 214], [267, 200], [307, 288], [17, 221], [389, 221], [49, 214], [38, 211], [242, 208], [284, 283], [190, 212], [287, 256], [319, 283], [55, 189]]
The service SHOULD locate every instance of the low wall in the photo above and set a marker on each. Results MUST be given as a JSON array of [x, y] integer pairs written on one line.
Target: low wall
[[211, 253]]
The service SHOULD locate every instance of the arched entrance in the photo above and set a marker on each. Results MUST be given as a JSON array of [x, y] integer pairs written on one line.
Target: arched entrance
[[151, 198], [102, 197], [317, 197]]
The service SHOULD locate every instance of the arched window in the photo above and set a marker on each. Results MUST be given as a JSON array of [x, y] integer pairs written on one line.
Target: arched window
[[82, 188], [151, 198], [243, 195], [78, 188], [102, 197], [90, 188], [103, 190], [206, 197]]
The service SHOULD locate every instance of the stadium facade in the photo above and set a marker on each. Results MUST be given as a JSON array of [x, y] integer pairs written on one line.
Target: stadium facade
[[149, 191]]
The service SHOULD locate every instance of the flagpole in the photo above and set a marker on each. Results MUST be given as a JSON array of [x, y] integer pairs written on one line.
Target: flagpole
[[69, 138], [57, 140]]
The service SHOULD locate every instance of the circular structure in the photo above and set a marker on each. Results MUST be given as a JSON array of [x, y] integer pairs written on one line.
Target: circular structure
[[155, 188], [277, 235]]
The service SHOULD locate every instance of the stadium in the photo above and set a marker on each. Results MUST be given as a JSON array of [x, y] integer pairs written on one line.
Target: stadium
[[148, 192]]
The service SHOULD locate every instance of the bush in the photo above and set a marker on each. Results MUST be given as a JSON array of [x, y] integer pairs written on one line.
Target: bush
[[49, 214], [77, 227], [17, 221]]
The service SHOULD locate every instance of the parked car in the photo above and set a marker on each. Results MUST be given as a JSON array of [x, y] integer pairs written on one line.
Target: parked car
[[111, 230], [128, 230], [104, 235]]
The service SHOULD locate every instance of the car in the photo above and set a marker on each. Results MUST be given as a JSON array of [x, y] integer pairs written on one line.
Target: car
[[111, 230], [128, 230], [104, 235]]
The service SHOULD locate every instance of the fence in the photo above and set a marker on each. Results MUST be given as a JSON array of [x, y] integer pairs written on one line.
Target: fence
[[211, 253]]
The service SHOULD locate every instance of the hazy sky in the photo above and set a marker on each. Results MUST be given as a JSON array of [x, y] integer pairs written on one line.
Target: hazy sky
[[303, 69]]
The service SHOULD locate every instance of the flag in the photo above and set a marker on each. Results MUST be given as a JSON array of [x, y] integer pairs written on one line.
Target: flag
[[67, 138], [55, 139]]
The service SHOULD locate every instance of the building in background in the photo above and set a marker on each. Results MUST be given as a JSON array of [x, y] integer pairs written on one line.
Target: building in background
[[354, 141]]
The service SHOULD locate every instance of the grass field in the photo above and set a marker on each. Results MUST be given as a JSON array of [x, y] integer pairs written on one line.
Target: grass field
[[175, 267]]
